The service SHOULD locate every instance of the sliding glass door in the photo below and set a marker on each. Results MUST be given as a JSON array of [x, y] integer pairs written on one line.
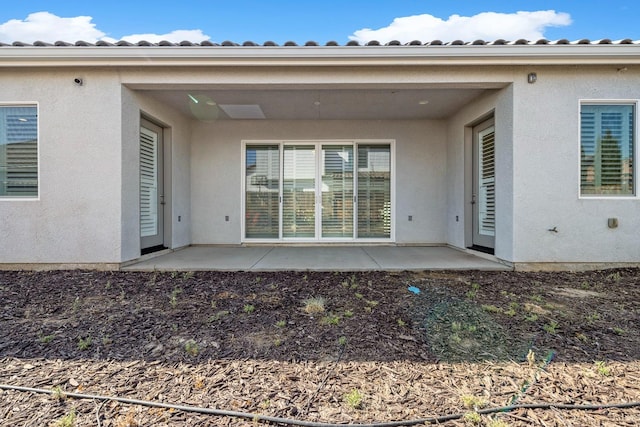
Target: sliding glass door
[[317, 191]]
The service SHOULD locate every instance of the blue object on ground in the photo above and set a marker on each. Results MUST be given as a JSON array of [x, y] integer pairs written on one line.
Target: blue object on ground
[[414, 290]]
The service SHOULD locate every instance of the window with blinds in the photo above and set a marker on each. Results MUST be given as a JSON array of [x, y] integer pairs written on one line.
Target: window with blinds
[[262, 191], [374, 191], [18, 151], [487, 182], [607, 144], [337, 191]]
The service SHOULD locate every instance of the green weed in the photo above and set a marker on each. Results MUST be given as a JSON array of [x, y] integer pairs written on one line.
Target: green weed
[[281, 323], [472, 418], [342, 341], [191, 347], [474, 291], [219, 315], [489, 308], [401, 323], [331, 319], [173, 297], [84, 343], [58, 394], [46, 339], [618, 331], [551, 327], [68, 420], [249, 308], [348, 314], [314, 305], [602, 368], [473, 402], [513, 306], [354, 399], [531, 317]]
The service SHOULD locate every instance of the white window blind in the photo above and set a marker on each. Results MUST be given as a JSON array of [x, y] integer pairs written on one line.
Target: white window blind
[[607, 147], [148, 182], [262, 191], [487, 196], [374, 191], [18, 151], [298, 191], [337, 191]]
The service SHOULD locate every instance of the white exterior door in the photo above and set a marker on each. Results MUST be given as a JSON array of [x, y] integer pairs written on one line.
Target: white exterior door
[[151, 187], [484, 186]]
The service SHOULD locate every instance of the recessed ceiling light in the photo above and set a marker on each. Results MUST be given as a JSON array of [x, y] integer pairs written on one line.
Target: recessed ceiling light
[[211, 102], [193, 98], [423, 102], [316, 103]]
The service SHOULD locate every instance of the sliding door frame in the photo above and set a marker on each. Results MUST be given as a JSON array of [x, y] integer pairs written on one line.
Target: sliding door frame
[[319, 143]]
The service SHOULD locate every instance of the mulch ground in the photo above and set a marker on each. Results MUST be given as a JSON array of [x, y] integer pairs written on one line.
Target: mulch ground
[[384, 347]]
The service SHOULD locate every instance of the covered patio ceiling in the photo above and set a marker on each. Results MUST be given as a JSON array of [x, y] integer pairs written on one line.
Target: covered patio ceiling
[[318, 104]]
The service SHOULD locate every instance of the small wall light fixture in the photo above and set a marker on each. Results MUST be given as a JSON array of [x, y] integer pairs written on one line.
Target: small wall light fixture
[[78, 81], [532, 78]]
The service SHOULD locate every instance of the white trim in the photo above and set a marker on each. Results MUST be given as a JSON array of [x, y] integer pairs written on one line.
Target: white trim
[[189, 56], [636, 150], [317, 142], [25, 104]]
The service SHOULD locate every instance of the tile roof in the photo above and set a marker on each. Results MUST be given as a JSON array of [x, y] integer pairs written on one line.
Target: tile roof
[[207, 43]]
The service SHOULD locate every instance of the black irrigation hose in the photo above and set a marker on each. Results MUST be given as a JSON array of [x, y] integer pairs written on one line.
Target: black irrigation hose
[[291, 422]]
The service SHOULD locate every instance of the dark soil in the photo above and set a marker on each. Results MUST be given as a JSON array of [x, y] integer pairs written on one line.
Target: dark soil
[[59, 326]]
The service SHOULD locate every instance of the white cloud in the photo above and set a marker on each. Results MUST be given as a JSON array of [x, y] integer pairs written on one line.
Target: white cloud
[[47, 27], [174, 37], [488, 26]]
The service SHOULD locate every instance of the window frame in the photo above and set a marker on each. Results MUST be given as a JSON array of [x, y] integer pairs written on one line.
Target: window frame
[[635, 103], [36, 105]]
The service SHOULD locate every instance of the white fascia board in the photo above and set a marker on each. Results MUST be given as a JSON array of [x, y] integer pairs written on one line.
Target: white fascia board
[[189, 56]]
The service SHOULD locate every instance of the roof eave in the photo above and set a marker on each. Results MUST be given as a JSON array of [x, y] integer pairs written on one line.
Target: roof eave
[[189, 56]]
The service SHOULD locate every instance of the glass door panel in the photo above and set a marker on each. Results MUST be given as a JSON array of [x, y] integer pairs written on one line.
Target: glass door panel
[[337, 191], [374, 191], [262, 217], [299, 192]]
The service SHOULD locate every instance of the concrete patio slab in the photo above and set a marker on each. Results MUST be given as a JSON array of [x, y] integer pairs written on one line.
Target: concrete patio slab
[[316, 258]]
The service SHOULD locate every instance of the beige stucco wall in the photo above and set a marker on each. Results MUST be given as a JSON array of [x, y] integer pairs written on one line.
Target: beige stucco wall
[[216, 174], [546, 183], [77, 216]]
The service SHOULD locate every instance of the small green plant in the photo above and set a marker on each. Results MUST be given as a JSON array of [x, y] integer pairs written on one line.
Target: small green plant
[[618, 331], [489, 308], [76, 304], [281, 323], [358, 295], [497, 423], [219, 315], [46, 339], [593, 317], [108, 285], [354, 399], [330, 319], [536, 298], [531, 317], [187, 275], [342, 341], [314, 305], [513, 306], [68, 420], [474, 291], [249, 308], [456, 326], [582, 337], [551, 327], [106, 340], [348, 314], [173, 298], [174, 274], [472, 418], [84, 343], [602, 368], [191, 347], [585, 285], [277, 342], [372, 303], [614, 277], [401, 323], [473, 402], [57, 393], [531, 358]]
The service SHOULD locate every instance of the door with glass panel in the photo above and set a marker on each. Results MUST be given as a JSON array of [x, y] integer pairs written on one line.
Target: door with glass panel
[[484, 186], [317, 191], [151, 187]]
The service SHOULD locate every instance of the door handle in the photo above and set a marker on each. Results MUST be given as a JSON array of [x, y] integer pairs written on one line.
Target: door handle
[[162, 199], [473, 199]]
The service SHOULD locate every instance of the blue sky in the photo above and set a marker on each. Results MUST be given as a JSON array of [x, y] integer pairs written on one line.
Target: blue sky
[[321, 21]]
